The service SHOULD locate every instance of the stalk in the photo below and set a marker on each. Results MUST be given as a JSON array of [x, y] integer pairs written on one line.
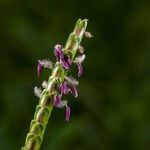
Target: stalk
[[43, 110]]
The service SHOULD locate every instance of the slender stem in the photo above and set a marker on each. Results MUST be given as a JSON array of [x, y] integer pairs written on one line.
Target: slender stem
[[44, 108], [38, 124]]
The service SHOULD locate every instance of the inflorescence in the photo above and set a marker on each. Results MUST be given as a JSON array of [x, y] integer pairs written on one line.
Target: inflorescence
[[52, 91], [69, 84]]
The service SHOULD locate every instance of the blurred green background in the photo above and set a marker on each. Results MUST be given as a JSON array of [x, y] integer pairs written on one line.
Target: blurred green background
[[112, 111]]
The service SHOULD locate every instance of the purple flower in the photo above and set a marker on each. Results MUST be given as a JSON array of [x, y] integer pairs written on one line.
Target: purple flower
[[69, 86], [65, 61], [67, 117], [69, 61], [45, 63], [80, 69], [58, 52], [73, 90], [72, 84], [57, 100], [64, 88], [78, 60], [39, 69]]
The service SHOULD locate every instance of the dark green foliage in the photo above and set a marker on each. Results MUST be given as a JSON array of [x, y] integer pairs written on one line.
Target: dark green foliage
[[112, 111]]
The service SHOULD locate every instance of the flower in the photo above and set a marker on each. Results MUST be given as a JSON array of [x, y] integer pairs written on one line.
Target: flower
[[88, 34], [39, 69], [68, 112], [37, 91], [64, 88], [57, 101], [80, 69], [44, 84], [78, 60], [81, 49], [45, 63], [65, 60], [71, 80], [58, 52], [72, 83], [73, 90]]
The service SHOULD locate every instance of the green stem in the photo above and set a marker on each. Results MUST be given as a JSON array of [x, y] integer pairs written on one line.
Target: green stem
[[44, 108]]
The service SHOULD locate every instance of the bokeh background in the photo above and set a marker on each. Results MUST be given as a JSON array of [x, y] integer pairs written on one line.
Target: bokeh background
[[112, 111]]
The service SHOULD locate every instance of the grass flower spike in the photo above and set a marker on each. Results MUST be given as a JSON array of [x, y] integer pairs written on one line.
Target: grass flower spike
[[59, 84]]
